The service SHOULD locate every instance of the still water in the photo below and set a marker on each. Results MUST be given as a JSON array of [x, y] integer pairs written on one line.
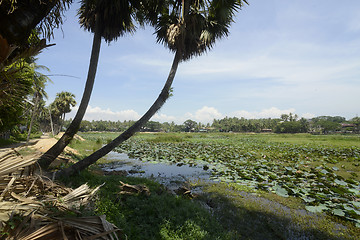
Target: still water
[[170, 175]]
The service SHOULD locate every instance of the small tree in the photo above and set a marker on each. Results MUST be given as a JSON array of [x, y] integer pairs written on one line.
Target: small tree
[[190, 125], [62, 105]]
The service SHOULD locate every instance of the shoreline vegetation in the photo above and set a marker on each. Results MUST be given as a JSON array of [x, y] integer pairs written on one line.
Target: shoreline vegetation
[[224, 208]]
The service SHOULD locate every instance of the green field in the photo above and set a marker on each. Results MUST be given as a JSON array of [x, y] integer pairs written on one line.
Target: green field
[[313, 172]]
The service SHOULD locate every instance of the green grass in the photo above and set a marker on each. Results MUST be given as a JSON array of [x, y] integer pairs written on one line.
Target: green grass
[[7, 142], [260, 215], [158, 216], [19, 137], [238, 211], [223, 211], [328, 140], [26, 151]]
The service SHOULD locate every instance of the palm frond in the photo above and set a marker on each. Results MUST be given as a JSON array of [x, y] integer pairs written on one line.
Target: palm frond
[[114, 17], [11, 162], [196, 30]]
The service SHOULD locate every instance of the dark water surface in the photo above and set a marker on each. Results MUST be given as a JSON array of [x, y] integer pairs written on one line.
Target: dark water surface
[[164, 173]]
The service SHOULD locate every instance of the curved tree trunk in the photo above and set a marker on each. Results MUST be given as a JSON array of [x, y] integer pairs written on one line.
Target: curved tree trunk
[[47, 158], [159, 102]]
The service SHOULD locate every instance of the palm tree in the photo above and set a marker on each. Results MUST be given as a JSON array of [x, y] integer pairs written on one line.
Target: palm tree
[[39, 91], [16, 81], [62, 105], [19, 19], [108, 19], [188, 29]]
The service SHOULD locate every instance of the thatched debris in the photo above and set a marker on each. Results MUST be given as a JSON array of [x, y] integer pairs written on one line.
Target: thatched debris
[[37, 206], [185, 192], [12, 162], [94, 227], [127, 189]]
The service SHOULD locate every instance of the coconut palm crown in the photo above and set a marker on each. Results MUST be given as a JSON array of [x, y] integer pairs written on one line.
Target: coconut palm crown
[[114, 17], [193, 26]]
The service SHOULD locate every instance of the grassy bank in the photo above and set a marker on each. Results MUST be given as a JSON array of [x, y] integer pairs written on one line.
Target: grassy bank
[[223, 210]]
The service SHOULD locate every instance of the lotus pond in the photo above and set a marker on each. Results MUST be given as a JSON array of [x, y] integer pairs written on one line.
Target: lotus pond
[[323, 171]]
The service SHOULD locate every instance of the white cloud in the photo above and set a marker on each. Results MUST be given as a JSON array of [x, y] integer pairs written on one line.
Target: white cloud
[[272, 112], [204, 115], [164, 118], [308, 115], [97, 113]]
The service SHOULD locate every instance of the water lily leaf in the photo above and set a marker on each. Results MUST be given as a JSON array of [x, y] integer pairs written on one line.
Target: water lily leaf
[[340, 182], [355, 191], [338, 212], [316, 209], [356, 204], [289, 168], [281, 191], [324, 171], [307, 199]]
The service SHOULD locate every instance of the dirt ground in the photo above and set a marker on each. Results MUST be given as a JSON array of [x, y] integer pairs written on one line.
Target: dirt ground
[[40, 146]]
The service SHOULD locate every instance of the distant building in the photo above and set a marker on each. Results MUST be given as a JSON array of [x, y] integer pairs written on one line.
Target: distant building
[[347, 127], [266, 130]]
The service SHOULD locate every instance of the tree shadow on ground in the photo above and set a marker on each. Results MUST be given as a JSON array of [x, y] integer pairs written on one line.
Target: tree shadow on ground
[[251, 217], [213, 215]]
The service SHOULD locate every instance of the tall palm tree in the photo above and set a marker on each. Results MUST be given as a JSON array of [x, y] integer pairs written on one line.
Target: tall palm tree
[[188, 29], [108, 19]]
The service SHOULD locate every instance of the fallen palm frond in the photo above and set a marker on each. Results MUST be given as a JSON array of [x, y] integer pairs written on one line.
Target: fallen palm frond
[[44, 203], [94, 227], [80, 194], [128, 189], [11, 162]]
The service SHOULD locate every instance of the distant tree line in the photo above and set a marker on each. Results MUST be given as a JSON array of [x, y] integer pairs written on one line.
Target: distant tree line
[[287, 123]]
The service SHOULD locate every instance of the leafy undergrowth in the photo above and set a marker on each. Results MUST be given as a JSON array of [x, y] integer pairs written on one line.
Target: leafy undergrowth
[[159, 216], [221, 211]]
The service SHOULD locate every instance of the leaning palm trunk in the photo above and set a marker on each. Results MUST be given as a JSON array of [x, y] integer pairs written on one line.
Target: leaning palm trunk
[[47, 158], [33, 116], [159, 102], [51, 123]]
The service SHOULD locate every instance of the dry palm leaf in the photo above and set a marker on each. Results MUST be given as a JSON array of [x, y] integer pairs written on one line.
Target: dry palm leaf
[[128, 189], [78, 196], [95, 227], [13, 164], [8, 208], [8, 186], [30, 195]]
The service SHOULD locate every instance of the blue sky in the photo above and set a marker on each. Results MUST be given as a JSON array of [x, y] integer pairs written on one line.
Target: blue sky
[[280, 57]]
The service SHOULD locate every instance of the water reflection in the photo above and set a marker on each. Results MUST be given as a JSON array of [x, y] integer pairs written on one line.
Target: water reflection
[[164, 173]]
